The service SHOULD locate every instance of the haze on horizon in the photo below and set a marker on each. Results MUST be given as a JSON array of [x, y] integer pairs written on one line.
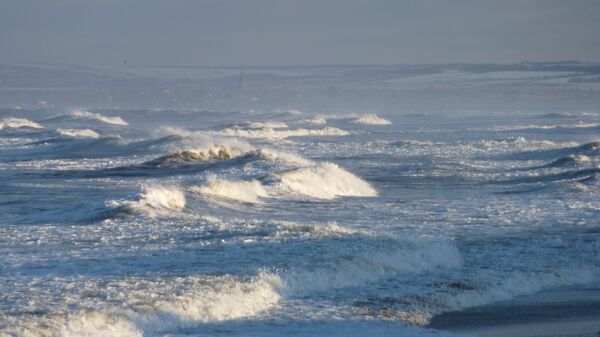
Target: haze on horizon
[[270, 32]]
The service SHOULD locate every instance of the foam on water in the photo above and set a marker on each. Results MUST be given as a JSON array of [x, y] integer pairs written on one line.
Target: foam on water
[[324, 181], [153, 202], [372, 264], [267, 124], [255, 133], [236, 190], [318, 120], [78, 133], [494, 289], [17, 123], [270, 133], [116, 120], [372, 119], [272, 155]]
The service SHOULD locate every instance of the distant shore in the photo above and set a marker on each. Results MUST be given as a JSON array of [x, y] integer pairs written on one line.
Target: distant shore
[[569, 311]]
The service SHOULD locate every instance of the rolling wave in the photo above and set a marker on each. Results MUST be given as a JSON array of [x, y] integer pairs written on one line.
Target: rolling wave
[[18, 123]]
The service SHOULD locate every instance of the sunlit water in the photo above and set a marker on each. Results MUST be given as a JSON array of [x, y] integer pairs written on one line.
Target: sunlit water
[[150, 222]]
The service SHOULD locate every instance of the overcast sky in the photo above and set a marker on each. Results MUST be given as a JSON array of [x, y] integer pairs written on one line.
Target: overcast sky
[[276, 32]]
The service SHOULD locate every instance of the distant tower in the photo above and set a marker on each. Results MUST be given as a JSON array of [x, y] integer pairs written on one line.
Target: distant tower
[[242, 78]]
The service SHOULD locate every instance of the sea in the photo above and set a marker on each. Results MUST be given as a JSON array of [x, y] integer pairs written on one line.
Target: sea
[[339, 200]]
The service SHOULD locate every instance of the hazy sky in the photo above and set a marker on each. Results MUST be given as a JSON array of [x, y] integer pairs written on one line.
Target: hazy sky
[[230, 32]]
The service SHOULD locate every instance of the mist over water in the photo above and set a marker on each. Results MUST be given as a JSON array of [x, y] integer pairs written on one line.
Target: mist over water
[[325, 200]]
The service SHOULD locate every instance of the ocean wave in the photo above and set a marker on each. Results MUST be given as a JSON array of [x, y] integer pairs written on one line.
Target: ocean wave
[[153, 202], [150, 311], [163, 306], [579, 174], [258, 133], [372, 119], [569, 160], [78, 133], [17, 123], [580, 125], [324, 181], [116, 120], [515, 284], [237, 190], [384, 256], [588, 149], [317, 120], [265, 124], [84, 147], [269, 133], [286, 157], [194, 155]]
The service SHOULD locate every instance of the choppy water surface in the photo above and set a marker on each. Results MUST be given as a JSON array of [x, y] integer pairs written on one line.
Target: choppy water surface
[[275, 220]]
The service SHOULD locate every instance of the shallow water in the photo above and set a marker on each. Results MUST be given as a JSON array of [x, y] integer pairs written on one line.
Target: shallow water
[[165, 220]]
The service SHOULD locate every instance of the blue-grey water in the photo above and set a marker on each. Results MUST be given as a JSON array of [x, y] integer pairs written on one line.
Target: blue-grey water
[[319, 201]]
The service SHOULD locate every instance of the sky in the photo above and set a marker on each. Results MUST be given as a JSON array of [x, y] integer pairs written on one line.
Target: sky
[[287, 32]]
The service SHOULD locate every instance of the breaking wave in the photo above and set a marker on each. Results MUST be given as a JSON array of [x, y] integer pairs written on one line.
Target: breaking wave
[[236, 190], [166, 306], [17, 123], [78, 133], [194, 155], [371, 119], [104, 119], [269, 133], [515, 284], [153, 202], [266, 124], [318, 120], [324, 181]]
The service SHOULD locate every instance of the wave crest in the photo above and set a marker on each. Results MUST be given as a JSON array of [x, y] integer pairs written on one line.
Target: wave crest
[[372, 119], [153, 201], [324, 181], [78, 133], [236, 190], [116, 120], [17, 123]]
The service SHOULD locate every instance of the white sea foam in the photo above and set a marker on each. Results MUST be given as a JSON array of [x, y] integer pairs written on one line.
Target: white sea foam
[[579, 125], [153, 201], [372, 119], [519, 283], [264, 133], [318, 120], [105, 119], [373, 264], [78, 133], [194, 155], [324, 181], [16, 123], [267, 124], [290, 158], [270, 133], [157, 311], [236, 190], [220, 299]]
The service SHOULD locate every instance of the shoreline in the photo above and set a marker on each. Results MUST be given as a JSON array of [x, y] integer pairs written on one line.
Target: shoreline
[[567, 311]]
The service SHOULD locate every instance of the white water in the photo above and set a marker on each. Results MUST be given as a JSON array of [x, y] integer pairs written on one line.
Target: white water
[[116, 120], [78, 133], [16, 123], [219, 213], [324, 181], [372, 119]]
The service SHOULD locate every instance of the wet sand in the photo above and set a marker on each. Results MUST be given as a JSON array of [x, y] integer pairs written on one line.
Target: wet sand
[[570, 311]]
